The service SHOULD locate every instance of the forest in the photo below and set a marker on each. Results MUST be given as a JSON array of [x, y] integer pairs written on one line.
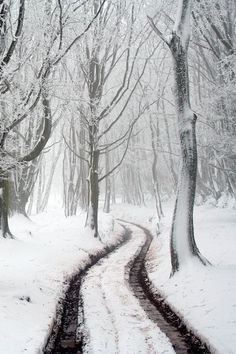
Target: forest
[[117, 151]]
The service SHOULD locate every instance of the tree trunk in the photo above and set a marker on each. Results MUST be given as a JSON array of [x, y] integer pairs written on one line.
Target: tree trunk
[[171, 162], [154, 173], [83, 197], [92, 216], [107, 202], [21, 184], [4, 199], [183, 245], [113, 191], [47, 189], [17, 200], [182, 234]]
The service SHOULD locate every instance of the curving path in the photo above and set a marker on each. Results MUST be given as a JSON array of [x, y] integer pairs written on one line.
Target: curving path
[[114, 321]]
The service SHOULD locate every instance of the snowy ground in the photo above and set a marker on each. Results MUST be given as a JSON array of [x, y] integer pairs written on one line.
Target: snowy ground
[[114, 320], [33, 270], [205, 297], [33, 273]]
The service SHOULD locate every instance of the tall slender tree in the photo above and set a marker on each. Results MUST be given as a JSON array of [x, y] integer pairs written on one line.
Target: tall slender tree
[[183, 245]]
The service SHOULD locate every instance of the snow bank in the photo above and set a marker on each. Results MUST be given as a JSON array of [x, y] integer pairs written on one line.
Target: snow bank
[[34, 273]]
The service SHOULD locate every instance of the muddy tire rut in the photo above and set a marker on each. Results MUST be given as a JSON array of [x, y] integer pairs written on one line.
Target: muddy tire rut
[[67, 339], [64, 337], [183, 340]]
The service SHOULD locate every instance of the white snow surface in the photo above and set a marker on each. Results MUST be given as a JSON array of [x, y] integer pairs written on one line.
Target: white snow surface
[[114, 321], [49, 249], [34, 270], [204, 296]]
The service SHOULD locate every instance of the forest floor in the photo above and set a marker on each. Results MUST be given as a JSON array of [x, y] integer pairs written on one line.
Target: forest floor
[[36, 267]]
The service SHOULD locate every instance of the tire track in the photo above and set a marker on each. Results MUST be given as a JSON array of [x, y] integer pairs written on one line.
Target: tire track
[[127, 314], [128, 330], [65, 337], [183, 341]]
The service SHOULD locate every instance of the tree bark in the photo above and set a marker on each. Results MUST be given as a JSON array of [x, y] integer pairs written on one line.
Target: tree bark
[[154, 173], [107, 202], [92, 218], [171, 162], [18, 200], [33, 154], [183, 245], [4, 199]]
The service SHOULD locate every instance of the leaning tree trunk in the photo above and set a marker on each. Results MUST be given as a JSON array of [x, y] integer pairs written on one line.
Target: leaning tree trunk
[[183, 244]]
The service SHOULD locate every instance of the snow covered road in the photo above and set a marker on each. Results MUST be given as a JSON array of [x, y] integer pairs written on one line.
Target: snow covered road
[[114, 322]]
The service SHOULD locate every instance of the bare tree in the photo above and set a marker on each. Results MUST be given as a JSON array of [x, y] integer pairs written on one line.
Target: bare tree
[[214, 60], [111, 72], [183, 245]]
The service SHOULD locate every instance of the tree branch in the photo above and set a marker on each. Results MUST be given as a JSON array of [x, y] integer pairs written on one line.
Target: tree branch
[[156, 30], [45, 134], [75, 153], [79, 36], [12, 47]]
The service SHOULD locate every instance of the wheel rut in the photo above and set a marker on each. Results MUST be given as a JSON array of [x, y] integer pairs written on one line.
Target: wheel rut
[[183, 341], [66, 337]]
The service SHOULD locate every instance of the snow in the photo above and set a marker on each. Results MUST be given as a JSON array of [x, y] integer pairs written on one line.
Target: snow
[[180, 229], [125, 327], [204, 296], [182, 22], [50, 248], [34, 272]]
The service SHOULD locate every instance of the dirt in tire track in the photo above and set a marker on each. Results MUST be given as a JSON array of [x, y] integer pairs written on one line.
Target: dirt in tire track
[[183, 340], [64, 338]]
